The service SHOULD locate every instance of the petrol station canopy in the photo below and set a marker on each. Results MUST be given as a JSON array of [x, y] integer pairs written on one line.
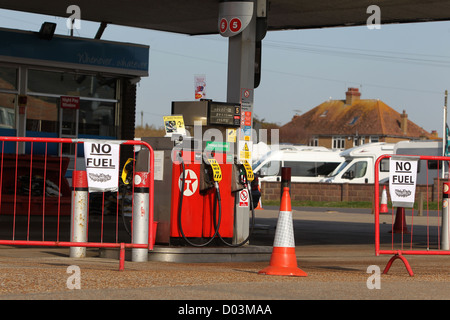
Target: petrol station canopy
[[195, 17]]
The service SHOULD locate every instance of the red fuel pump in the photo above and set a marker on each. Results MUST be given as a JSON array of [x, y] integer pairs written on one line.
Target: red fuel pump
[[203, 209]]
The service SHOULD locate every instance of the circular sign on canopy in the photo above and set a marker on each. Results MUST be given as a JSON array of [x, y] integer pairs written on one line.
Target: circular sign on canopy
[[223, 25], [235, 25]]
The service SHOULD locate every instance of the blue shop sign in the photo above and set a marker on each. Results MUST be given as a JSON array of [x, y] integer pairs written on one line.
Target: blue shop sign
[[69, 52]]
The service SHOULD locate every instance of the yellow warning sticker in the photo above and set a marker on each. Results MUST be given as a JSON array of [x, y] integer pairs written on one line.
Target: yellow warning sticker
[[231, 135], [249, 171], [217, 173], [245, 148]]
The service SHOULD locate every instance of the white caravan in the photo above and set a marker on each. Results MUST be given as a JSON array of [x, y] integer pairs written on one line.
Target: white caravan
[[359, 164], [310, 164], [425, 168]]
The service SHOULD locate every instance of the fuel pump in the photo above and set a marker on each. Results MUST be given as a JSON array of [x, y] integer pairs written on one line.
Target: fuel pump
[[246, 176], [210, 177], [197, 176]]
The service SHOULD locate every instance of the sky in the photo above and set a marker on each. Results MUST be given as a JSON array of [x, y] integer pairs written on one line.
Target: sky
[[404, 65]]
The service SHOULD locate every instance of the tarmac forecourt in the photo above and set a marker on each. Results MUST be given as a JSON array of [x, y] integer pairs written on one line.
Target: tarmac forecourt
[[333, 246]]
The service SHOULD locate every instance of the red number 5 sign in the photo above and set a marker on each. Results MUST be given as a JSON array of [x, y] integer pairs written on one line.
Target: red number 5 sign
[[235, 25]]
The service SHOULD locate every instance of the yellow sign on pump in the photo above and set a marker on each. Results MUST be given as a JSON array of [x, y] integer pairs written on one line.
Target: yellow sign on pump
[[217, 173], [248, 171], [126, 169]]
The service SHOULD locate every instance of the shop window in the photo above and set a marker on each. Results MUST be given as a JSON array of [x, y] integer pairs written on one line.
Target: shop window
[[97, 111], [7, 114], [8, 78], [8, 96], [42, 114], [97, 118], [62, 83]]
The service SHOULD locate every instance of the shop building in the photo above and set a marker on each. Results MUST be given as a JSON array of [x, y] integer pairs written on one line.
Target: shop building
[[37, 73]]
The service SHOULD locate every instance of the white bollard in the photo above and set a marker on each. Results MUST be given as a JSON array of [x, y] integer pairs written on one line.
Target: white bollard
[[140, 216], [79, 209]]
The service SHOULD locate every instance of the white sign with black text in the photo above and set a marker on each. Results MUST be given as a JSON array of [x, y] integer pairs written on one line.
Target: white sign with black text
[[102, 166], [402, 181]]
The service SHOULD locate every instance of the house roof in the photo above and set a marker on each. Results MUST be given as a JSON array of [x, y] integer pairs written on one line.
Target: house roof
[[361, 117]]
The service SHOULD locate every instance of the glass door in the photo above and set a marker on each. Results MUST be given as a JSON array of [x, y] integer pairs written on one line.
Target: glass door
[[68, 128]]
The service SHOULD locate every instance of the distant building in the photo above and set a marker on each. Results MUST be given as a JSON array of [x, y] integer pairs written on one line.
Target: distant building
[[342, 124]]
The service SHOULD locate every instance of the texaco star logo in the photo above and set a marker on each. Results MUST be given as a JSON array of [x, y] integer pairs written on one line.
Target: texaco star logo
[[190, 183]]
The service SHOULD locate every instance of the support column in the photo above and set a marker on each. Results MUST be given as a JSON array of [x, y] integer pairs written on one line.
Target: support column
[[241, 77]]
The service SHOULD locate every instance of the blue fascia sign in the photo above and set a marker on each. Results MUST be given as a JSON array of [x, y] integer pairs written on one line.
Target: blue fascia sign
[[69, 52]]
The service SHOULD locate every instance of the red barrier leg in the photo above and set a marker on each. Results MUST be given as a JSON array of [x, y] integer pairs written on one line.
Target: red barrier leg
[[122, 257], [405, 262]]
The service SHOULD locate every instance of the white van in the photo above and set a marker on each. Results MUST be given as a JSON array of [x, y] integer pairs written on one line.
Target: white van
[[359, 164], [310, 164], [425, 168]]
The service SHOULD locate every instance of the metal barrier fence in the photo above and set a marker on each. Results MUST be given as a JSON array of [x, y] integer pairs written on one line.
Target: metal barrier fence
[[37, 203], [422, 230]]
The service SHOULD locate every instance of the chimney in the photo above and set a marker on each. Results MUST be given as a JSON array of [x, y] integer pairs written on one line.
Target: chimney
[[352, 95], [404, 122]]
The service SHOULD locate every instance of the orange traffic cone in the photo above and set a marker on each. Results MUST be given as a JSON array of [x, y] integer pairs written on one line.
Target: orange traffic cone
[[384, 207], [259, 206], [283, 261], [400, 222]]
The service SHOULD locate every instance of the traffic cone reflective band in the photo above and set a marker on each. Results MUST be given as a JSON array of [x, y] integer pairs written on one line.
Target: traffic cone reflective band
[[283, 261], [384, 207]]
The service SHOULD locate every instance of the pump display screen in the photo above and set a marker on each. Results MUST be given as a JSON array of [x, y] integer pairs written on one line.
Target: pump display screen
[[224, 114]]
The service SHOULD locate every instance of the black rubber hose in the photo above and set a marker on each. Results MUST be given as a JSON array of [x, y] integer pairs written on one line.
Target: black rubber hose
[[251, 226]]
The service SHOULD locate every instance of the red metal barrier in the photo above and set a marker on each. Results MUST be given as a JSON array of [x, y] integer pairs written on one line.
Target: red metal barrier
[[406, 231], [35, 199]]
